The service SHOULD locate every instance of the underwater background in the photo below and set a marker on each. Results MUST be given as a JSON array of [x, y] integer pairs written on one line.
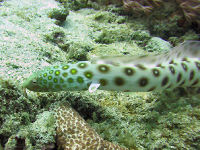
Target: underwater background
[[38, 33]]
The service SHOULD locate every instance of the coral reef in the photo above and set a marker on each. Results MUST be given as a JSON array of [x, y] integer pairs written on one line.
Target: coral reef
[[191, 10], [74, 4], [158, 44], [41, 133], [17, 114], [59, 14], [141, 6], [163, 18]]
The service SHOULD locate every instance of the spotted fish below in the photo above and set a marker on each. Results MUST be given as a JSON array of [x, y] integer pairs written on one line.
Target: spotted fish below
[[179, 67]]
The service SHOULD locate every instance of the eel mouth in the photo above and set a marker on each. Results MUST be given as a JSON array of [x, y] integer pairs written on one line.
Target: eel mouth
[[30, 83]]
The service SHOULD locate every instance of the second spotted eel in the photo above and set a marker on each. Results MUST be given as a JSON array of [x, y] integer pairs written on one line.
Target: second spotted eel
[[178, 67]]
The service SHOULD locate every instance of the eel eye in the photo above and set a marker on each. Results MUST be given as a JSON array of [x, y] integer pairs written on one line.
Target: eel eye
[[34, 81]]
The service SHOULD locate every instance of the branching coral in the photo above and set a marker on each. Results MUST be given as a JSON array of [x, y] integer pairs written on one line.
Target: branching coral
[[191, 10], [74, 133], [141, 6]]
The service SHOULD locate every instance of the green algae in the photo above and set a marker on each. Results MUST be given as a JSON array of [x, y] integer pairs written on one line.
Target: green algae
[[59, 14], [56, 35], [78, 51], [189, 35], [158, 44], [37, 135], [108, 17], [17, 112], [158, 122]]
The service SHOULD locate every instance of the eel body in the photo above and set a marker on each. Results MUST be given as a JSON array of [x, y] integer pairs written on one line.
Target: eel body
[[180, 67]]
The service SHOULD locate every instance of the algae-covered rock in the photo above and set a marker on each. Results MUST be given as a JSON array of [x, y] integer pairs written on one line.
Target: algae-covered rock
[[74, 4], [189, 35], [141, 37], [37, 135], [79, 50], [112, 34], [108, 17], [55, 35], [59, 14], [157, 44]]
